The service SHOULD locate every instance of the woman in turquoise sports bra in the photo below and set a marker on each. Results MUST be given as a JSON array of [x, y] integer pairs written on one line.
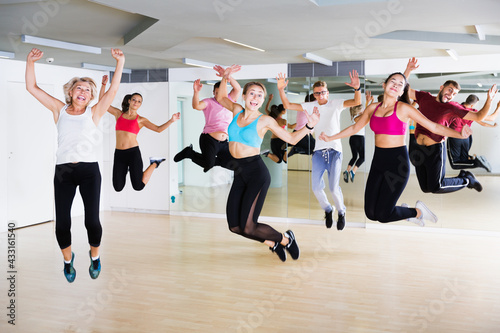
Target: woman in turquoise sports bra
[[251, 177], [390, 167]]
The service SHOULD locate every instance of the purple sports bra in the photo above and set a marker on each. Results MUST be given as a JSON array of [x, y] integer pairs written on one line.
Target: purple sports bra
[[390, 125]]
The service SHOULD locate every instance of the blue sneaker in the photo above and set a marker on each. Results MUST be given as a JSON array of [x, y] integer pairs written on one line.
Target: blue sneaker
[[346, 176], [69, 271], [95, 267], [352, 176]]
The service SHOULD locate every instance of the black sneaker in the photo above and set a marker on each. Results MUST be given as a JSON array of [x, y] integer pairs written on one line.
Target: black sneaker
[[341, 222], [292, 246], [482, 162], [185, 153], [279, 250], [473, 182], [329, 219]]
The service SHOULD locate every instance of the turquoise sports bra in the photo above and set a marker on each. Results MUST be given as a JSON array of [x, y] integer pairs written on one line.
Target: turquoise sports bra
[[247, 135]]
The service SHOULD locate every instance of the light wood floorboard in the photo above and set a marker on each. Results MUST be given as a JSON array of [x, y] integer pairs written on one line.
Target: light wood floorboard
[[183, 274]]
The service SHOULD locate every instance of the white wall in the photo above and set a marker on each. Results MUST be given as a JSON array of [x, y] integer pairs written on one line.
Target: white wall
[[155, 195]]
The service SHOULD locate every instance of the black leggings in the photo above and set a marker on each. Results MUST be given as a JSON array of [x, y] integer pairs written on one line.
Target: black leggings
[[128, 160], [67, 177], [306, 145], [278, 148], [357, 143], [246, 198], [386, 181], [213, 153]]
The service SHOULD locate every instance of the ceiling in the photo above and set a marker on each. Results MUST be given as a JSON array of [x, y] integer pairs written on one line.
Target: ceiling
[[158, 34]]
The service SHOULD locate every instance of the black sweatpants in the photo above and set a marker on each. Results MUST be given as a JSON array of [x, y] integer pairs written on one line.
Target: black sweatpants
[[357, 144], [386, 181], [246, 198], [67, 178], [458, 153], [430, 167], [128, 160], [213, 153]]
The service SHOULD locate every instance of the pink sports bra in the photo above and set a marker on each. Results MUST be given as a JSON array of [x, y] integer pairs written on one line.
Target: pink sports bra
[[127, 125], [390, 125]]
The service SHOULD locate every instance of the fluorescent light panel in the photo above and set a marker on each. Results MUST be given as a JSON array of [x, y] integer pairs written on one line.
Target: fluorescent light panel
[[60, 45], [452, 53], [480, 32], [103, 68], [198, 63], [245, 45], [318, 59], [7, 55]]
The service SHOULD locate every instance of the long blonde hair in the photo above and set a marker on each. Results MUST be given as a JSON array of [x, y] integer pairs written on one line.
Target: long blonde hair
[[72, 83]]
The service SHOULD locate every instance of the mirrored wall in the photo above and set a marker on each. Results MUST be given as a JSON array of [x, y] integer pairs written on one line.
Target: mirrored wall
[[290, 194]]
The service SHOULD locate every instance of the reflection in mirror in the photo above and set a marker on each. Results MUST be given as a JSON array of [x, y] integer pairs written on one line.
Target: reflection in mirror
[[464, 209], [207, 192], [303, 203]]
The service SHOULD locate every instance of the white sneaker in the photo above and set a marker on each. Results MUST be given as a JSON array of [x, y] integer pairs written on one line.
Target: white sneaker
[[426, 212], [420, 222]]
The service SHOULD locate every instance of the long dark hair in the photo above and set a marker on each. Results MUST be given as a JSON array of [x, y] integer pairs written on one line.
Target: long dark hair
[[276, 110], [126, 101], [405, 96]]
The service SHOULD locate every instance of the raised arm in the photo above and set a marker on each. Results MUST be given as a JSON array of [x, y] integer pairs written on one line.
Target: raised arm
[[104, 103], [235, 92], [432, 126], [353, 129], [481, 114], [282, 83], [149, 125], [294, 137], [268, 111], [410, 67], [114, 111], [196, 103], [369, 98], [51, 103], [222, 96], [356, 85]]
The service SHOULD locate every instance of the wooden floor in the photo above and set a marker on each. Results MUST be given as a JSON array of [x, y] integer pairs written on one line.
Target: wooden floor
[[184, 274]]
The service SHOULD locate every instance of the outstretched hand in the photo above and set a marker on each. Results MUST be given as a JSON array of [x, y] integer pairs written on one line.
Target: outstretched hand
[[34, 55], [221, 72], [197, 85], [493, 91], [104, 80], [466, 131], [282, 81], [369, 97], [312, 119], [354, 80], [412, 65]]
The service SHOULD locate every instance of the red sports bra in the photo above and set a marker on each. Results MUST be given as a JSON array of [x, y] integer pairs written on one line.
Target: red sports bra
[[127, 125], [390, 125]]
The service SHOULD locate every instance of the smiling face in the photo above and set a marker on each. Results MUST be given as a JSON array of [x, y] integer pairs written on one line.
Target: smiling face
[[394, 85], [253, 95], [81, 93], [447, 93]]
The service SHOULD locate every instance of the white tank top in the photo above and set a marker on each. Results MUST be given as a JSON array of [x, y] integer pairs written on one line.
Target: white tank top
[[77, 137]]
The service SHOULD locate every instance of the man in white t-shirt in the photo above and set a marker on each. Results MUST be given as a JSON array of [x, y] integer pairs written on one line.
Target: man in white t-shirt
[[327, 156]]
